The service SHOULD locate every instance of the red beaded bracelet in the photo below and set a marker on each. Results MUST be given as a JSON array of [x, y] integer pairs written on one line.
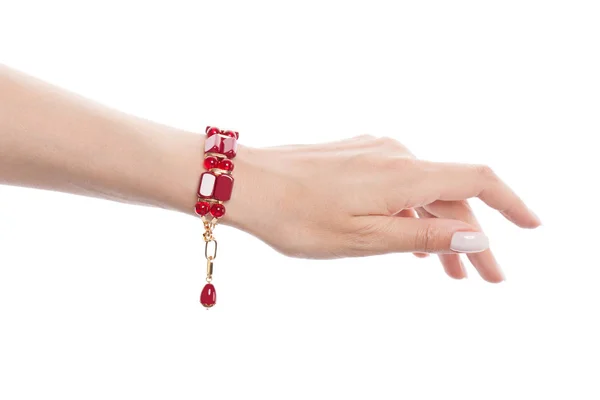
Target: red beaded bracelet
[[216, 185]]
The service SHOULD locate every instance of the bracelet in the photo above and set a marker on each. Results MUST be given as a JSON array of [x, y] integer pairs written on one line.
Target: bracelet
[[215, 187]]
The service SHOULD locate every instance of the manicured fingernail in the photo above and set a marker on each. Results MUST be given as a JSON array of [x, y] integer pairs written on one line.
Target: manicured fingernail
[[469, 242]]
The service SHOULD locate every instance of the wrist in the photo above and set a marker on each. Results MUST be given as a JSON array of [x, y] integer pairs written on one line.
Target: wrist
[[180, 193]]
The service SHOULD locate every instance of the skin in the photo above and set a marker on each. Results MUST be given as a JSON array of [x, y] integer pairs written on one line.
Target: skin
[[52, 139]]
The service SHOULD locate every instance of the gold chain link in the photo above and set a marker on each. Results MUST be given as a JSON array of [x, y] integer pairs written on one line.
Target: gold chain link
[[209, 255]]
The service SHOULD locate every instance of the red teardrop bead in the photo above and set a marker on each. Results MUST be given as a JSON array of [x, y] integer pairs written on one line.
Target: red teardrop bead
[[210, 162], [208, 297], [226, 164], [217, 210], [202, 208], [212, 130]]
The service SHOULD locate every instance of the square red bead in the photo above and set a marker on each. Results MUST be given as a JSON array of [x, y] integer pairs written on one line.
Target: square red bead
[[213, 144], [229, 147], [221, 144]]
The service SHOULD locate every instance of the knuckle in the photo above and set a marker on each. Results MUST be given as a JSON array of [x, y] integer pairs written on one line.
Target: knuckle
[[388, 165], [486, 172], [427, 239], [365, 136], [390, 144], [386, 141], [395, 164]]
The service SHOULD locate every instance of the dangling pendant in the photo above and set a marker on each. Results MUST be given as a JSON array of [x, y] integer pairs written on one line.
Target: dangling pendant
[[208, 297]]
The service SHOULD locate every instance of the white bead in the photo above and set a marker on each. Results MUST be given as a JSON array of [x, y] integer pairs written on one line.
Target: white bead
[[207, 184]]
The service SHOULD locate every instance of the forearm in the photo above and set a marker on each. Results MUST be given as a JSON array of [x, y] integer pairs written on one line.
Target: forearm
[[52, 139]]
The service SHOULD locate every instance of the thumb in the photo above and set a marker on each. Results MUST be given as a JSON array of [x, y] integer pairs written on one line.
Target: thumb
[[429, 235]]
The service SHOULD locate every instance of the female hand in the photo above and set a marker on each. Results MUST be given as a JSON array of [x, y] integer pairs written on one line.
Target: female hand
[[358, 197]]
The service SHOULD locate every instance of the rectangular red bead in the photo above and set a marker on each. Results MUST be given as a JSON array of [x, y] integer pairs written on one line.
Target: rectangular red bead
[[223, 187]]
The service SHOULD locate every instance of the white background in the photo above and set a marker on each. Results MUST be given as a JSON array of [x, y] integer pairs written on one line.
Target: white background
[[100, 300]]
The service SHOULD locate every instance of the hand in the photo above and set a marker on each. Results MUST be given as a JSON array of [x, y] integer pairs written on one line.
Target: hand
[[358, 197]]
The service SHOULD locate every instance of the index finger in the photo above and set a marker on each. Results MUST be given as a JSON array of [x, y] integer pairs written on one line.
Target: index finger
[[462, 181]]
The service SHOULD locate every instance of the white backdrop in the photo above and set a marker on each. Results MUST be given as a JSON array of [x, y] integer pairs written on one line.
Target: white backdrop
[[100, 300]]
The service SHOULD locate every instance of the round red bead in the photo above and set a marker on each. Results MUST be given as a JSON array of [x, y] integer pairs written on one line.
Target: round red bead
[[217, 210], [226, 164], [208, 296], [210, 162], [230, 133], [202, 208], [212, 131]]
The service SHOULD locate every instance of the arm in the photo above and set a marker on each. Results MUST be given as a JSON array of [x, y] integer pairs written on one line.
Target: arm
[[356, 197], [53, 139]]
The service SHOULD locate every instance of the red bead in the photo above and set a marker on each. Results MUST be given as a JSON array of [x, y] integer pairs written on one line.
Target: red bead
[[202, 208], [229, 147], [208, 297], [225, 145], [217, 210], [213, 144], [223, 187], [226, 164], [210, 162], [212, 130], [237, 135], [230, 133]]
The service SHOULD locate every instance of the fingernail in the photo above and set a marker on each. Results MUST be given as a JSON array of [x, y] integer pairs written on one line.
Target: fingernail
[[469, 242], [535, 216]]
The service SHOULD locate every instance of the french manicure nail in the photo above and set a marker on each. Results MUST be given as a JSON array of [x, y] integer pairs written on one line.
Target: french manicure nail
[[469, 242]]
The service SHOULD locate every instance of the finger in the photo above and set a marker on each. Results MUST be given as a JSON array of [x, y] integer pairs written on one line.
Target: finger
[[382, 234], [452, 263], [460, 182], [484, 262], [453, 266], [410, 213]]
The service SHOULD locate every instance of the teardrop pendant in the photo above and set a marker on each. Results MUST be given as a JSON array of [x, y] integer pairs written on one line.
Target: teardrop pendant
[[208, 297]]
